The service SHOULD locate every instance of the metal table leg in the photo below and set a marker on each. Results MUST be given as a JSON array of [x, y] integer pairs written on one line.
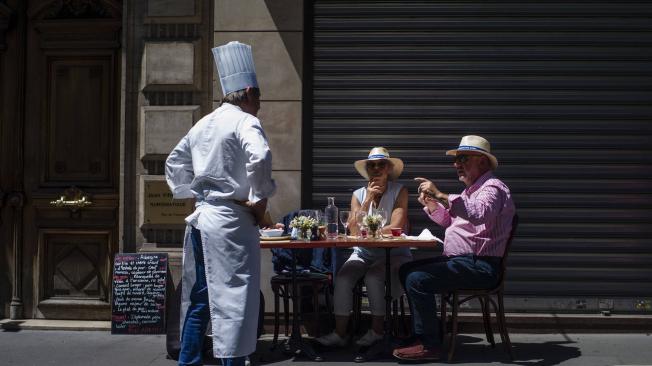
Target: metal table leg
[[296, 342]]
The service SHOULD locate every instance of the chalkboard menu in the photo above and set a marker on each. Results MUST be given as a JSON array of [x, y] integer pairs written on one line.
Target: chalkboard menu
[[139, 282]]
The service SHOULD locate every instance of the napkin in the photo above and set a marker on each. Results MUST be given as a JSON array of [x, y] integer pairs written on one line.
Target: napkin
[[425, 235]]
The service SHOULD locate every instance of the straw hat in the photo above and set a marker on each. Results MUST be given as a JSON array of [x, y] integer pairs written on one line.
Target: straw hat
[[380, 153], [477, 144]]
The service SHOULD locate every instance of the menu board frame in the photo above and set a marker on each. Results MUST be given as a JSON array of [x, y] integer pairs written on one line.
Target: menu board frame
[[139, 293]]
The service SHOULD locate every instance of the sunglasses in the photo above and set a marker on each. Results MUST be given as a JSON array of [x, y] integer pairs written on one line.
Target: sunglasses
[[462, 159], [376, 164]]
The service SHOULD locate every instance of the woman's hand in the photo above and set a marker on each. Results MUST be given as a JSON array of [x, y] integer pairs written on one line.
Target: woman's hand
[[375, 188]]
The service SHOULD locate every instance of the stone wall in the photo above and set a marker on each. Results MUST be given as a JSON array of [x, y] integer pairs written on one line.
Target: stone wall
[[174, 74], [274, 29]]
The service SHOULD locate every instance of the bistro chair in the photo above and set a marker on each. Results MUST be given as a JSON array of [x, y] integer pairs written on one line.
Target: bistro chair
[[313, 277], [282, 288], [485, 296]]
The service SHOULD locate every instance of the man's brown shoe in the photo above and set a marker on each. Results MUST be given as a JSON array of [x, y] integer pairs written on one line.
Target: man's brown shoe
[[417, 352]]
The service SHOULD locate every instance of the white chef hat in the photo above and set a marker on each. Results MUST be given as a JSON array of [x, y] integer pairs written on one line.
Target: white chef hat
[[235, 64]]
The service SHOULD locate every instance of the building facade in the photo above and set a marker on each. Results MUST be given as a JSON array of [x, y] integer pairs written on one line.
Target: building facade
[[95, 93]]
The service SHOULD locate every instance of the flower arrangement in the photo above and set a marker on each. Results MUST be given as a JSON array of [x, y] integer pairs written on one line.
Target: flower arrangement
[[373, 222], [303, 224]]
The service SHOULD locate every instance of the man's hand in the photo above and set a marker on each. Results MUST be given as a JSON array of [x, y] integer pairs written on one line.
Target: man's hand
[[258, 210], [429, 191], [427, 201], [426, 185], [267, 222]]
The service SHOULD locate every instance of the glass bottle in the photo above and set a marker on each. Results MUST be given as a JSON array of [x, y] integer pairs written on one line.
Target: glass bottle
[[332, 217]]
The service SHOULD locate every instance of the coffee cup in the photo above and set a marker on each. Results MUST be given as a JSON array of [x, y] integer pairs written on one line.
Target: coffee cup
[[396, 231]]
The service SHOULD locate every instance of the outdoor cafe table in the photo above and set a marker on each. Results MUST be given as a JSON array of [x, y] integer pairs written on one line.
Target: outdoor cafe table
[[296, 342]]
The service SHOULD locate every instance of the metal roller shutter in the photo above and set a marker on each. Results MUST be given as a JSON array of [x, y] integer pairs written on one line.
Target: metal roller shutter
[[562, 90]]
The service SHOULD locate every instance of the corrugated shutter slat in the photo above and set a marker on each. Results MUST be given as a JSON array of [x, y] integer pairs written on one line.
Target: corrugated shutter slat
[[563, 90]]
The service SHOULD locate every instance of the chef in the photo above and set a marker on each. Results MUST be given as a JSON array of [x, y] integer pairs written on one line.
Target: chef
[[224, 162]]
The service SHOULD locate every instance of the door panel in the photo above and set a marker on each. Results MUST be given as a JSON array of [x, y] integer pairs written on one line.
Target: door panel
[[76, 269], [79, 120], [71, 171]]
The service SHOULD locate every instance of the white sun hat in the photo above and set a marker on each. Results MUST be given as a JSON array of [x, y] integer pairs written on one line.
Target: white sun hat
[[379, 153], [476, 144], [235, 64]]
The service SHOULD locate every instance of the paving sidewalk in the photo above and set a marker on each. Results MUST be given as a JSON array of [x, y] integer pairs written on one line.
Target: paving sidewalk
[[100, 348]]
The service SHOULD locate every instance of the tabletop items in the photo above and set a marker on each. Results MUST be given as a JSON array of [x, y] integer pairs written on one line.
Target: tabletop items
[[296, 343]]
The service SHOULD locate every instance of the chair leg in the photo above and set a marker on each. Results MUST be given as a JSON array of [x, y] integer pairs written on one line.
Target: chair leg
[[315, 304], [275, 289], [442, 318], [486, 318], [404, 326], [499, 320], [503, 326], [395, 320], [451, 346], [329, 309], [286, 309]]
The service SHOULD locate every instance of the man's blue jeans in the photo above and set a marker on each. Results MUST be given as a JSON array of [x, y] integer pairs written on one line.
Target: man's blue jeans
[[198, 315], [423, 279]]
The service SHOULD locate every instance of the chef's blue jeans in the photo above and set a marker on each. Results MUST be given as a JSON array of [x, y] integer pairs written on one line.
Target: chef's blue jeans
[[423, 279], [198, 315]]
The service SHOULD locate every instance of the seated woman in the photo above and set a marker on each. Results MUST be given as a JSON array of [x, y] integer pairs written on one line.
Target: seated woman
[[381, 171]]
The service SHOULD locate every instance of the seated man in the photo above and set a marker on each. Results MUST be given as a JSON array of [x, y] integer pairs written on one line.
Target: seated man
[[478, 223], [383, 192]]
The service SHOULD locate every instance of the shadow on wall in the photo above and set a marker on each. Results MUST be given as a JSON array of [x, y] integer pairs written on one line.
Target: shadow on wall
[[285, 15]]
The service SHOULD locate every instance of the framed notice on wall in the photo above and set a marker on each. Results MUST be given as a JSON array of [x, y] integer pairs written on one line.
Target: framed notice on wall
[[160, 208], [139, 284]]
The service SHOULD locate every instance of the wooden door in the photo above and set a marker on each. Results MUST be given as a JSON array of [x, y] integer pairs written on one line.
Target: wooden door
[[71, 149]]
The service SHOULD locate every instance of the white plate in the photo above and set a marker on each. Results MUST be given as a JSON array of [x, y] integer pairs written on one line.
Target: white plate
[[271, 233]]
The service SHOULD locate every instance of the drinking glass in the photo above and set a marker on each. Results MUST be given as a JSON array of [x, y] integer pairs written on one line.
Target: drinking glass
[[344, 218], [383, 217], [319, 216], [359, 219], [321, 223]]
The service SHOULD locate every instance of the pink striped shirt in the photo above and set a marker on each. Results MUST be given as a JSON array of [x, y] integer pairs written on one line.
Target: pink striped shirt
[[479, 219]]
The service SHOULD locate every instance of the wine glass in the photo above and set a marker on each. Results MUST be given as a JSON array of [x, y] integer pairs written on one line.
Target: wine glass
[[383, 216], [344, 218], [360, 220], [319, 216]]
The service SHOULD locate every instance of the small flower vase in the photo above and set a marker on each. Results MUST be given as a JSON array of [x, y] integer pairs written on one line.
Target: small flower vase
[[304, 234], [374, 232]]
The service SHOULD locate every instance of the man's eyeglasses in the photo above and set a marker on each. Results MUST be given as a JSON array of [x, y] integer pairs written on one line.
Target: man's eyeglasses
[[376, 164], [463, 158]]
